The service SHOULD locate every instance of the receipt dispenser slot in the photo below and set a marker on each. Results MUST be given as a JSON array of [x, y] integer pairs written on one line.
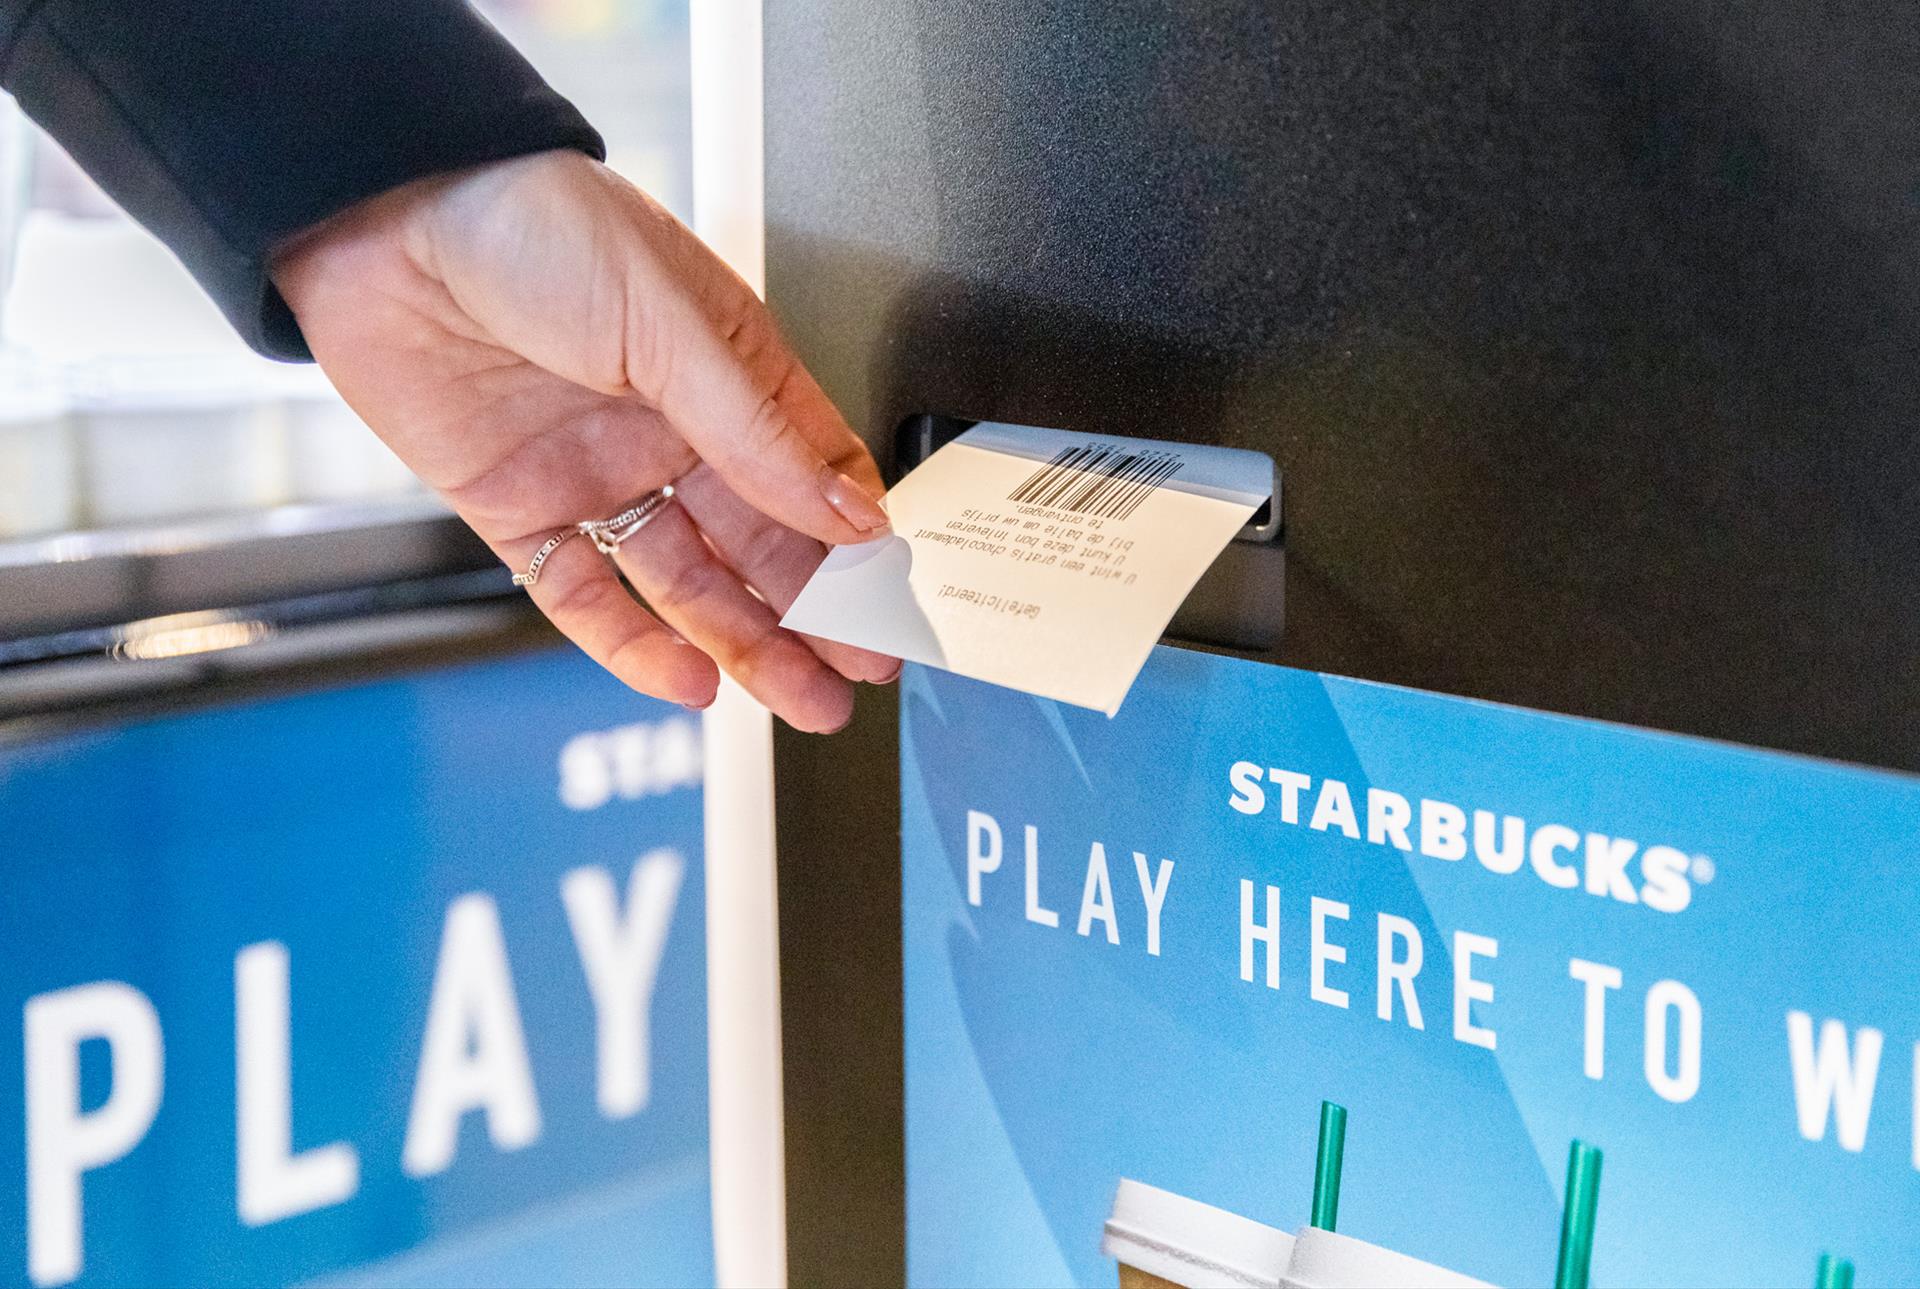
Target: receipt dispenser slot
[[1239, 603]]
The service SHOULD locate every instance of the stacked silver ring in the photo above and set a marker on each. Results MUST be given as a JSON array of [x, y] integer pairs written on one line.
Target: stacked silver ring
[[607, 534]]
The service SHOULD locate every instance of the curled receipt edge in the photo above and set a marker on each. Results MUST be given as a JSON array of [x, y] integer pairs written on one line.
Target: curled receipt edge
[[1042, 560]]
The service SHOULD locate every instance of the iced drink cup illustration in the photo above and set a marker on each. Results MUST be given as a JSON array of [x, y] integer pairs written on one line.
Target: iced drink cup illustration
[[1161, 1239], [1325, 1260]]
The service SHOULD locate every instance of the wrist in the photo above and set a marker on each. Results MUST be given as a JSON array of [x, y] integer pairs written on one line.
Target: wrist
[[355, 245], [414, 221]]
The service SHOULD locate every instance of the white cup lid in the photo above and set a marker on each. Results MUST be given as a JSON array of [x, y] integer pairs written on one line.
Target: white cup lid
[[1327, 1260], [1191, 1243]]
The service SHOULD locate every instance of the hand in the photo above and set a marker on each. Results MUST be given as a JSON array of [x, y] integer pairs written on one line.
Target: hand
[[542, 343]]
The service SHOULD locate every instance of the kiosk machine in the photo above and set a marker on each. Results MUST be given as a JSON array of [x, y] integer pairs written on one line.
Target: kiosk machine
[[1533, 787]]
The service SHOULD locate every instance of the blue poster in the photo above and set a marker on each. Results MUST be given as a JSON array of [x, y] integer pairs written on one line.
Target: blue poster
[[1284, 979], [401, 983]]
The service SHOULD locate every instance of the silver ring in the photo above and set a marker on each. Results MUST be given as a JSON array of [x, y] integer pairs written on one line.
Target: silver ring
[[607, 534]]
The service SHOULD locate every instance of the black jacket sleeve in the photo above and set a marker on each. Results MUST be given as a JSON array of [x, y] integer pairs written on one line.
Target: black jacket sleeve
[[227, 125]]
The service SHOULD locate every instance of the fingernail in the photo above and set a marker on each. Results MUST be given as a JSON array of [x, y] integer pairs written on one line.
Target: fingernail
[[854, 503], [892, 675], [699, 707]]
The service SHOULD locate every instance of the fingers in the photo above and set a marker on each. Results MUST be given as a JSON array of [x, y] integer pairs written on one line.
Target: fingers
[[768, 359], [775, 561], [743, 402], [583, 596], [577, 455], [675, 572], [732, 308], [820, 419]]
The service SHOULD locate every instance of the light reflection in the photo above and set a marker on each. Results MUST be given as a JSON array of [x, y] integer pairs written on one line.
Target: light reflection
[[181, 635]]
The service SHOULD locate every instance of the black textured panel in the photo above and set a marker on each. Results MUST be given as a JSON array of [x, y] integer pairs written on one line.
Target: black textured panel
[[1587, 335]]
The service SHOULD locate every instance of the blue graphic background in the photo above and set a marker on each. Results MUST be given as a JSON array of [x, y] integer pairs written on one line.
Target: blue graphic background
[[1043, 1066], [343, 823]]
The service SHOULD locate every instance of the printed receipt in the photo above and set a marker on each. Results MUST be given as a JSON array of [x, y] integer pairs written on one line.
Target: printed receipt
[[1042, 560]]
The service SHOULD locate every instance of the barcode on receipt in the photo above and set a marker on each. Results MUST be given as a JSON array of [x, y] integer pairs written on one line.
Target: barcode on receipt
[[1104, 481]]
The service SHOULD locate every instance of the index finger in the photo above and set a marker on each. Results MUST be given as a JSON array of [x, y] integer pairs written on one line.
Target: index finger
[[741, 399], [583, 596]]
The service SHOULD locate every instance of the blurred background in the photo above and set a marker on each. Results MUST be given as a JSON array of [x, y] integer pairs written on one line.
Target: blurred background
[[264, 700], [166, 494], [126, 400]]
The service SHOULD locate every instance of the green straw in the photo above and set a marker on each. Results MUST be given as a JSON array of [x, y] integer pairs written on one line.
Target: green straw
[[1576, 1220], [1833, 1273], [1326, 1166]]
